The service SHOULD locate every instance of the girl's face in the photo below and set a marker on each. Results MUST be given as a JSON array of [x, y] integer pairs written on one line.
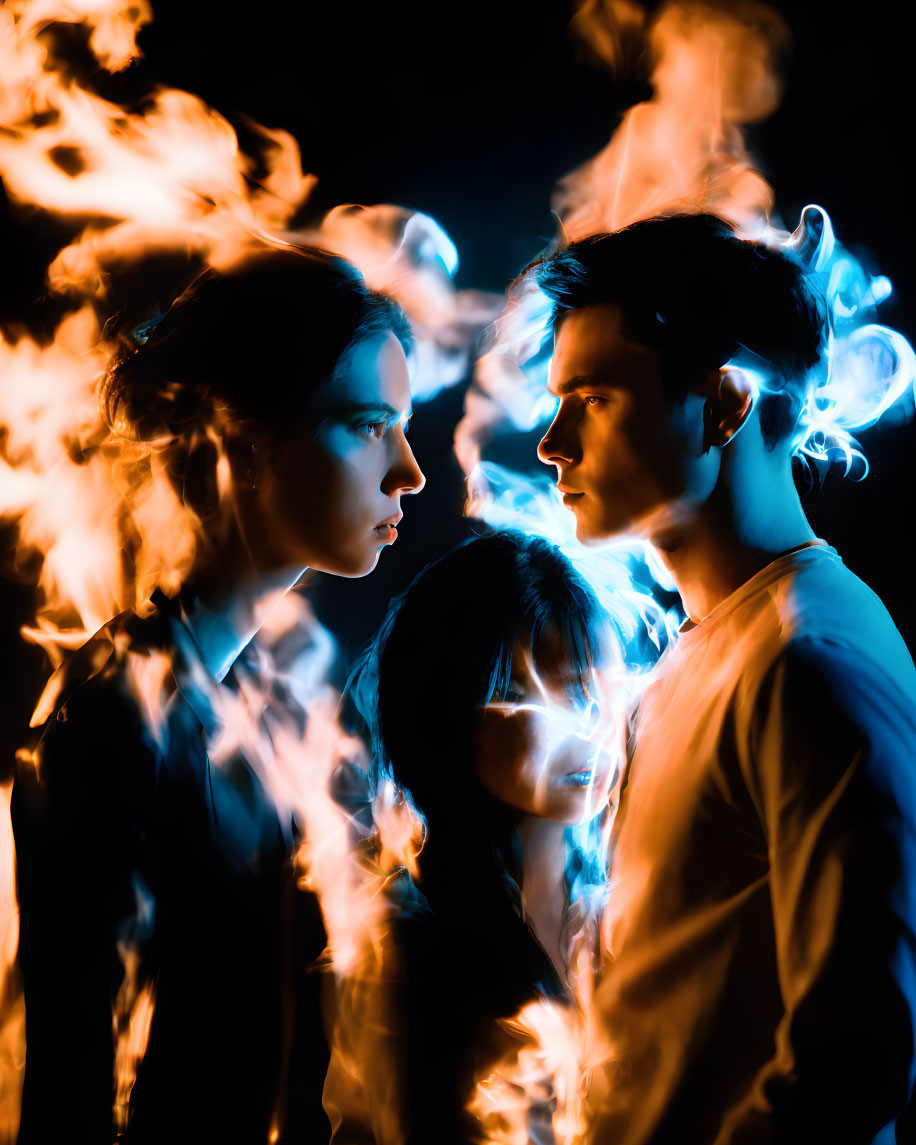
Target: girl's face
[[540, 752], [330, 496]]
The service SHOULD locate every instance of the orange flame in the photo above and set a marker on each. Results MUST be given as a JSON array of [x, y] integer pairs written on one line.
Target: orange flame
[[714, 69], [298, 771], [133, 1016], [12, 1003], [169, 176], [401, 833], [537, 1092]]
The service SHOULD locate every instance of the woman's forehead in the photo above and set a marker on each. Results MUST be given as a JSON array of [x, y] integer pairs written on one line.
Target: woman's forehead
[[375, 369], [371, 380]]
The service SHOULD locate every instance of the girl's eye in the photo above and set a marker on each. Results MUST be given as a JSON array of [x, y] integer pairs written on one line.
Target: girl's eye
[[514, 694], [373, 429], [591, 714]]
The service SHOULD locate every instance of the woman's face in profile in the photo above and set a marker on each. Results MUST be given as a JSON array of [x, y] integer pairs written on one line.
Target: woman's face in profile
[[537, 750], [330, 496]]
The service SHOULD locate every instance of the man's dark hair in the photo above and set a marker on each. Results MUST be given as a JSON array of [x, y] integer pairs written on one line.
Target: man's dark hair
[[699, 296], [252, 342]]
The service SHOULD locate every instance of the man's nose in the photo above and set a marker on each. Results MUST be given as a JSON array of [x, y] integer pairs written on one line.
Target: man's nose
[[557, 446]]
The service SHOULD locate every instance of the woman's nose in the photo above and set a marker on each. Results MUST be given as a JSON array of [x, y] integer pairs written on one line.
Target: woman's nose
[[405, 475]]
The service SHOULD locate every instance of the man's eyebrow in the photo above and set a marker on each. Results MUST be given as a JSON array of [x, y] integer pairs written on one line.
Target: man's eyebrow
[[580, 382]]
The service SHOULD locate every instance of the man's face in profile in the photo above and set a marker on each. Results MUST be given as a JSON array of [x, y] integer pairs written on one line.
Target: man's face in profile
[[619, 445]]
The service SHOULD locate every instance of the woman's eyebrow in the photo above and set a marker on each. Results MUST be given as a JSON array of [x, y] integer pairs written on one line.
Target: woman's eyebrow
[[375, 407], [382, 411]]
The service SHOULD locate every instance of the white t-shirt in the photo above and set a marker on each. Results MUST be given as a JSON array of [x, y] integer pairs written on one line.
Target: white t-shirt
[[761, 977]]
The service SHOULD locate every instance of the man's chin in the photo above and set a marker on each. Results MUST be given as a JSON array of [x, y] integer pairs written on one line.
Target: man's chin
[[595, 535]]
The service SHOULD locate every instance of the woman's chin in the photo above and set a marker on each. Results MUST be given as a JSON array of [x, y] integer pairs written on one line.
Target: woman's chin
[[349, 565]]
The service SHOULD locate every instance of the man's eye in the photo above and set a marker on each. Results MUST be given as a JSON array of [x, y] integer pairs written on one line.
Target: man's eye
[[594, 400], [375, 429]]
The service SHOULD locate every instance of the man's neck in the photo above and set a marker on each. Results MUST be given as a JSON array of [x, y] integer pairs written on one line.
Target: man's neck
[[737, 531]]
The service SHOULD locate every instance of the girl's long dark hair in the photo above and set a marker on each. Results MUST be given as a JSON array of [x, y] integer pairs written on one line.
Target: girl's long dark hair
[[446, 649]]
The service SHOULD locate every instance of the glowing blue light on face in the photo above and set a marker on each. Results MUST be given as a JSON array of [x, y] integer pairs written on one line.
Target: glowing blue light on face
[[625, 574]]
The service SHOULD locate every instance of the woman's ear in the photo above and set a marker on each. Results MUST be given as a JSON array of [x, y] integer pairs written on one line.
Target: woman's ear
[[730, 396], [249, 450]]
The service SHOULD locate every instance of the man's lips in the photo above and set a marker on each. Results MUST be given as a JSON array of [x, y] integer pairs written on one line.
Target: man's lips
[[569, 494]]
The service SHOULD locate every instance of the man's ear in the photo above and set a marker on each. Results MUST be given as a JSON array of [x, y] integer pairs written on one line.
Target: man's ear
[[730, 395]]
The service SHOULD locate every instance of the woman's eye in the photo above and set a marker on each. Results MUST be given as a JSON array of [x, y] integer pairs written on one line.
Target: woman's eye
[[591, 714], [513, 695], [594, 400], [374, 429]]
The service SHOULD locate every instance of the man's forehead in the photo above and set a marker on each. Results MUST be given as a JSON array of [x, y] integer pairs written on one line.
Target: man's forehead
[[590, 342]]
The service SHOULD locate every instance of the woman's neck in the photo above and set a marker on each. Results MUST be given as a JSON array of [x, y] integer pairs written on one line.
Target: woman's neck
[[544, 892], [227, 601]]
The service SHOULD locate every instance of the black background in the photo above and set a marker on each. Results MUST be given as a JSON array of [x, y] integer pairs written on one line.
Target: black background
[[471, 113]]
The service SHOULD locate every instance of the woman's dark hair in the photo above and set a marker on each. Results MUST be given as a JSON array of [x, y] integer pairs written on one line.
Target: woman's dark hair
[[445, 650], [248, 343], [698, 296]]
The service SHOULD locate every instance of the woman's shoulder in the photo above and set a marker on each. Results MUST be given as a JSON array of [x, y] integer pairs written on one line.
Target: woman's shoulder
[[92, 725]]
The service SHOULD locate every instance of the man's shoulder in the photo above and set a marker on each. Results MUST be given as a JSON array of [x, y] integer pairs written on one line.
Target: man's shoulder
[[831, 699], [827, 590], [807, 618], [830, 620], [825, 714]]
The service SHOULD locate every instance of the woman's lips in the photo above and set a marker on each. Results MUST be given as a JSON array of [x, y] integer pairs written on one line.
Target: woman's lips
[[570, 498], [387, 530]]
